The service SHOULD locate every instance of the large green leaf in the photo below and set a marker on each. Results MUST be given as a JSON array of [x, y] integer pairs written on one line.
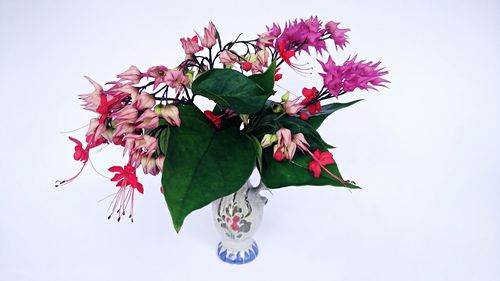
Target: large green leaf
[[202, 164], [232, 89], [277, 174], [266, 79], [316, 120]]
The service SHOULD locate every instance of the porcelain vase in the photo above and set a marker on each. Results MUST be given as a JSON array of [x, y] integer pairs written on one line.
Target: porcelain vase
[[237, 217]]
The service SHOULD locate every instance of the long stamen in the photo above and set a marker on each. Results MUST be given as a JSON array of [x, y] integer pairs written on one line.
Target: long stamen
[[59, 183]]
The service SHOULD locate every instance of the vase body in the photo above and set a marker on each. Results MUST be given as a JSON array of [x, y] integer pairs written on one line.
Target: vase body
[[237, 217]]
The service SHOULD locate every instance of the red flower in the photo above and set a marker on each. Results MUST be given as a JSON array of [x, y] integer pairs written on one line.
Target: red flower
[[80, 153], [310, 95], [285, 54], [104, 106], [216, 119], [320, 159], [126, 176], [277, 76]]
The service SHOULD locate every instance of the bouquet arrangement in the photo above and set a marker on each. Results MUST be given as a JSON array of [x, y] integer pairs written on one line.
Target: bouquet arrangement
[[203, 155]]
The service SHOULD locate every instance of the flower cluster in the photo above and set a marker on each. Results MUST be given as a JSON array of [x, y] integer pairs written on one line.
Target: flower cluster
[[138, 110]]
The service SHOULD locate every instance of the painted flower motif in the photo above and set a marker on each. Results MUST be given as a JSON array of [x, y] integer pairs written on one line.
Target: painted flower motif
[[320, 160], [233, 223]]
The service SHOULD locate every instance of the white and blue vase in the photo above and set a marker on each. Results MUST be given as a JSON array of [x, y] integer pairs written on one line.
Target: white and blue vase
[[237, 217]]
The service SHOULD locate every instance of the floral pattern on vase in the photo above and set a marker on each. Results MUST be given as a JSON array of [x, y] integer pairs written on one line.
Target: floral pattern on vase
[[236, 217]]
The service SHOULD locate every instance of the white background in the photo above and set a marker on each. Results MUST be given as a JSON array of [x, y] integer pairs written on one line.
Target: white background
[[425, 150]]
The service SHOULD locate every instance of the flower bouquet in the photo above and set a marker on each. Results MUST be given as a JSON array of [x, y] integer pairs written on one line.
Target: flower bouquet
[[204, 156]]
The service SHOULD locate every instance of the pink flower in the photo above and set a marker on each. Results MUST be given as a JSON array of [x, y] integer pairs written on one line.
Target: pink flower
[[159, 162], [149, 166], [139, 146], [352, 75], [143, 101], [176, 79], [132, 74], [92, 99], [191, 46], [228, 57], [293, 106], [284, 136], [267, 38], [285, 54], [285, 147], [209, 38], [337, 34], [148, 120], [320, 159], [128, 115], [105, 106], [171, 114], [95, 132], [301, 142], [158, 73]]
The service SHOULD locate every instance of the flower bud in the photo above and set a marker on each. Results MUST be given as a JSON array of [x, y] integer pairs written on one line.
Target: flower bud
[[171, 114], [158, 108], [245, 118], [285, 96], [268, 140]]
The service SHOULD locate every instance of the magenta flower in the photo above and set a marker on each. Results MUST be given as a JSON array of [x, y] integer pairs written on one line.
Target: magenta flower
[[352, 75], [337, 34], [132, 74], [190, 46], [302, 35], [267, 38]]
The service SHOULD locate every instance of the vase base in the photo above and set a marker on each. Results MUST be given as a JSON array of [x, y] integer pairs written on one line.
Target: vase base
[[240, 256]]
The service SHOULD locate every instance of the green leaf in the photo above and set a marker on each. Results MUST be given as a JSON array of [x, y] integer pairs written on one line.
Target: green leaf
[[234, 90], [277, 174], [258, 150], [266, 79], [202, 164], [163, 141], [316, 120], [297, 125]]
